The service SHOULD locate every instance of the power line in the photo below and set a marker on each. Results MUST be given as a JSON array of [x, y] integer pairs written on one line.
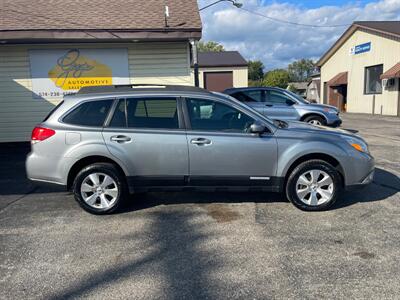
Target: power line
[[292, 23]]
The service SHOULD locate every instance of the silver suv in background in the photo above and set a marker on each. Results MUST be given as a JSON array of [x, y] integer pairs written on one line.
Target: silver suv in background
[[277, 103], [106, 142]]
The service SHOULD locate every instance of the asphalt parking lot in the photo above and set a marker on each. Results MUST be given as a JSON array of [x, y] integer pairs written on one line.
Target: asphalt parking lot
[[204, 245]]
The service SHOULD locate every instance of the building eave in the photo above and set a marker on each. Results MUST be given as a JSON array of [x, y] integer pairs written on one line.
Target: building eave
[[101, 35]]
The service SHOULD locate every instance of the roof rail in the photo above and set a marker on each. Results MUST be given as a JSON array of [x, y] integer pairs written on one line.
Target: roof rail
[[130, 87]]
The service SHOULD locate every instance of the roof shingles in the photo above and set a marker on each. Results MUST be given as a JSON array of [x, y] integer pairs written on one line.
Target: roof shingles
[[98, 15], [221, 59]]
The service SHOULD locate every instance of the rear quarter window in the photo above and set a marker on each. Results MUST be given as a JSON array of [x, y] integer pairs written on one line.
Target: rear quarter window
[[92, 113], [52, 111]]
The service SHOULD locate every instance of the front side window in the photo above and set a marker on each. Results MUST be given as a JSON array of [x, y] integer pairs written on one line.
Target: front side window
[[372, 80], [146, 113], [92, 113], [215, 116]]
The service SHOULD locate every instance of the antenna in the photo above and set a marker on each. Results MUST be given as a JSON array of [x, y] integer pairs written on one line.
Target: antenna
[[166, 15]]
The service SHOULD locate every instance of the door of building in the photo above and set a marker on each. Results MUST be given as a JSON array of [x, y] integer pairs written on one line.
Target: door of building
[[218, 81], [326, 101]]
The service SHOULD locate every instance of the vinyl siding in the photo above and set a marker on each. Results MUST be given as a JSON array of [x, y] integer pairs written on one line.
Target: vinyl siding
[[165, 63], [383, 51]]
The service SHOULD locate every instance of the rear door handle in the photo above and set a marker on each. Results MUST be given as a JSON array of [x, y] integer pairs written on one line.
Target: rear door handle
[[200, 141], [120, 138], [269, 105]]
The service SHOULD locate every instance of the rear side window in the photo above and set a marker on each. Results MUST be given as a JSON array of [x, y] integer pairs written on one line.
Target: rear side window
[[249, 96], [146, 113], [92, 113]]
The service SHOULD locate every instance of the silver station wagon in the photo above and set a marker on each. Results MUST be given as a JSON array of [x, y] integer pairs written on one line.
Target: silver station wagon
[[106, 142]]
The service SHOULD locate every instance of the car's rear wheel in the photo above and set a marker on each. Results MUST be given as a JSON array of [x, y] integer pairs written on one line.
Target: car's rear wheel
[[313, 185], [100, 188], [315, 120]]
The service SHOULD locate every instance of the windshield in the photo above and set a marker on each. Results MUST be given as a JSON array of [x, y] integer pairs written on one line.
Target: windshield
[[298, 97], [270, 121]]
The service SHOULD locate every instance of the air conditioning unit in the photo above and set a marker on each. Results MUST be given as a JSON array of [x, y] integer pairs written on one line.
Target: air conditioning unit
[[387, 83]]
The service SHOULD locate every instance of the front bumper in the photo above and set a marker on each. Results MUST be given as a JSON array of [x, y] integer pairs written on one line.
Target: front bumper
[[336, 123], [366, 181]]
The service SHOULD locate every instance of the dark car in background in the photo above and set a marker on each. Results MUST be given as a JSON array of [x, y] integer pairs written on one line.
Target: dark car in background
[[277, 103]]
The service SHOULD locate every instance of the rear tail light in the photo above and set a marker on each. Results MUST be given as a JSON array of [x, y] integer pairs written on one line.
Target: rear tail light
[[40, 134]]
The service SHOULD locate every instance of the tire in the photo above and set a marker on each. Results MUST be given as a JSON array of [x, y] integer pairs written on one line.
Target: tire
[[104, 196], [315, 120], [312, 195]]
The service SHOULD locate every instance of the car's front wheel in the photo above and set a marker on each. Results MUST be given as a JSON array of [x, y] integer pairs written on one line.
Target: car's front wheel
[[100, 188], [313, 185], [315, 120]]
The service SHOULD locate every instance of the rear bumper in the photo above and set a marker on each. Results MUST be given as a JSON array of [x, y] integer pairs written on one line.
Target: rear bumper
[[42, 182], [47, 169]]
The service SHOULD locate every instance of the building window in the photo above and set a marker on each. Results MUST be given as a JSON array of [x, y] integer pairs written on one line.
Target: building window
[[372, 80]]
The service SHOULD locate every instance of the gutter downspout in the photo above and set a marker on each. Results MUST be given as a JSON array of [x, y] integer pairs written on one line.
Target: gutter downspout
[[195, 63]]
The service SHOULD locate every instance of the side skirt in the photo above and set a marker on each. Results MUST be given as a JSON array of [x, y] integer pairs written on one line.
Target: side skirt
[[204, 183]]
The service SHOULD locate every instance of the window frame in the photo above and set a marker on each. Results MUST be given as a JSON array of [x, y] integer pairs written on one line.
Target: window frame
[[365, 80], [181, 125], [77, 105], [188, 124]]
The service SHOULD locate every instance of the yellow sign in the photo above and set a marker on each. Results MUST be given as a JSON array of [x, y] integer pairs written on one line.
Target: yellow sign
[[74, 71]]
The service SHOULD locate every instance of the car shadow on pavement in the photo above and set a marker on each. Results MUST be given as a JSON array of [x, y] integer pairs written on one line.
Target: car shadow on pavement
[[147, 200], [384, 185]]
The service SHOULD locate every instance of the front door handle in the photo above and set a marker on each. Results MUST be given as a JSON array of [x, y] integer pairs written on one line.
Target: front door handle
[[200, 141], [269, 105], [120, 138]]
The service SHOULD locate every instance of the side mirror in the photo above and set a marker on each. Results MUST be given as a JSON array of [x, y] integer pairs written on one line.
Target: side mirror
[[257, 128]]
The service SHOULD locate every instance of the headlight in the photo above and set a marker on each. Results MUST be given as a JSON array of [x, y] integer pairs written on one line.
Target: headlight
[[357, 144], [330, 110]]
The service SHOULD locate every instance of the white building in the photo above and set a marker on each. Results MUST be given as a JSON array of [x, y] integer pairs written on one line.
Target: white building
[[360, 72]]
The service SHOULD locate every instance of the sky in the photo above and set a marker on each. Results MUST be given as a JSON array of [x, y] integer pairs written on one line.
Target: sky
[[277, 44]]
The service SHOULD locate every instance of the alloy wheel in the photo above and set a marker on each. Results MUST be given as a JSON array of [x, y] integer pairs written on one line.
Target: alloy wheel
[[315, 187], [314, 122], [99, 190]]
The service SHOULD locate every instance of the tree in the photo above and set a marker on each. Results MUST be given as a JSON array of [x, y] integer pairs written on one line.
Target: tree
[[292, 88], [256, 70], [277, 77], [301, 70], [210, 46]]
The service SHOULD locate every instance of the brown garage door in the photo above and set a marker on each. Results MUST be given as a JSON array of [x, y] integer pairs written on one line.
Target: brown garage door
[[218, 81]]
